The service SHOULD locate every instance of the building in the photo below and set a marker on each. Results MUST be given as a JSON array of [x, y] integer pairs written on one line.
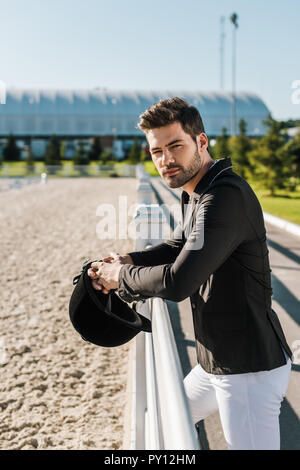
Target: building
[[34, 115]]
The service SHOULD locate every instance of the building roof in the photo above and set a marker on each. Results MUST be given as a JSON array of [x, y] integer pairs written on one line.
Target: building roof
[[103, 111]]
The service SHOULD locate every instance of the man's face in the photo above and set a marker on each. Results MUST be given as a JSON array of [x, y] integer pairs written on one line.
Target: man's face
[[174, 154]]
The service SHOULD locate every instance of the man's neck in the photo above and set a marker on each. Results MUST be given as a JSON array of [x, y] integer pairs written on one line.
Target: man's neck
[[190, 185]]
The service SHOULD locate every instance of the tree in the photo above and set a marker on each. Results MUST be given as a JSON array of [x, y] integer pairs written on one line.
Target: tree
[[293, 150], [29, 160], [135, 152], [11, 151], [221, 148], [271, 163], [210, 149], [289, 123], [1, 158], [62, 149], [105, 156], [144, 155], [52, 155], [239, 147], [81, 157], [96, 149]]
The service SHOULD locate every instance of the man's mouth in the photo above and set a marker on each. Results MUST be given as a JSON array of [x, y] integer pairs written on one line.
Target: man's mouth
[[171, 172]]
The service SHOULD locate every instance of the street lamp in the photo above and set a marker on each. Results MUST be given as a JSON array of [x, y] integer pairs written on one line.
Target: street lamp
[[222, 38], [114, 129], [233, 19]]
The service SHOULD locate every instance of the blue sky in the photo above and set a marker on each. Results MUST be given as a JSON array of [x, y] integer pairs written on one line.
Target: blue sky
[[158, 44]]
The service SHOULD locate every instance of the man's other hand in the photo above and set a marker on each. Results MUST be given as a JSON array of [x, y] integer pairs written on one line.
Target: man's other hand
[[104, 277], [124, 259]]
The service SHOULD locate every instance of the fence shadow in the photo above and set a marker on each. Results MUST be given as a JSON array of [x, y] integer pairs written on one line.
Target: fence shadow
[[289, 427]]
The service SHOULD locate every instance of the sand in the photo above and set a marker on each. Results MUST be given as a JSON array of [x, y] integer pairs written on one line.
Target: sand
[[56, 391]]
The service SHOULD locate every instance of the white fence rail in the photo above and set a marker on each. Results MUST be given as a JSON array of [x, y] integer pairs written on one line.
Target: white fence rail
[[68, 170], [160, 416]]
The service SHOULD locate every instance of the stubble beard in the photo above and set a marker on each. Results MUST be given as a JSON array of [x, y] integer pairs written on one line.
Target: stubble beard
[[185, 174]]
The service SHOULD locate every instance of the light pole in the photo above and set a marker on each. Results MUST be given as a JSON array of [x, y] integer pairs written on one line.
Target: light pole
[[114, 129], [233, 18], [222, 38]]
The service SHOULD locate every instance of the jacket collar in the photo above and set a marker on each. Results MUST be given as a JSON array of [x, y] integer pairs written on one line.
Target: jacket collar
[[217, 169]]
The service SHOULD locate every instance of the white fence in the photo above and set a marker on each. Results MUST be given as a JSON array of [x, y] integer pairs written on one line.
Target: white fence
[[41, 173], [160, 416], [68, 170], [17, 183]]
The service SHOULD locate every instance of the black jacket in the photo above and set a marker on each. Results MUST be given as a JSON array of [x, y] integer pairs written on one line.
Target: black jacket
[[218, 257]]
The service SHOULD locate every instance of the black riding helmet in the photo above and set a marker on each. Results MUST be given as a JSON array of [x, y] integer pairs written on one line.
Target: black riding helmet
[[103, 319]]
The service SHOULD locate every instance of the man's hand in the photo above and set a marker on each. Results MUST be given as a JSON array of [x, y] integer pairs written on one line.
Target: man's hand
[[105, 274], [124, 259]]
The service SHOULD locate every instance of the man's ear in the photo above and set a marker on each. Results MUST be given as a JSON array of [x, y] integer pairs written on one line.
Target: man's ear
[[203, 140], [198, 142]]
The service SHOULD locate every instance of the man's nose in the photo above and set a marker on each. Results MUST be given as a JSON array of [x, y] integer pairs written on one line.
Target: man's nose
[[167, 158]]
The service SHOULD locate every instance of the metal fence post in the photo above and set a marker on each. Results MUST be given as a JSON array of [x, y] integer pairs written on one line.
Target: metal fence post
[[149, 220], [144, 194], [140, 419], [44, 178], [139, 397]]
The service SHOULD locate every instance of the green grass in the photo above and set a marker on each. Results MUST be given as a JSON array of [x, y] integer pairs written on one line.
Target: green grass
[[19, 169], [285, 204], [150, 168]]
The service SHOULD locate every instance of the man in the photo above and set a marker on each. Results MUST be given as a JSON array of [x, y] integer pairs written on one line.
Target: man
[[218, 257]]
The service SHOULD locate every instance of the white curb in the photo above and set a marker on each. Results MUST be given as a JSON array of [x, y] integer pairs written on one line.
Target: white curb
[[281, 223]]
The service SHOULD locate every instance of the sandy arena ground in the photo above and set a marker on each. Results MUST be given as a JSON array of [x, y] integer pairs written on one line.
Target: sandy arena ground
[[56, 391]]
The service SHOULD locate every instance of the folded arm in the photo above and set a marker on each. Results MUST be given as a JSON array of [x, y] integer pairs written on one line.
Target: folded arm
[[220, 227], [162, 253]]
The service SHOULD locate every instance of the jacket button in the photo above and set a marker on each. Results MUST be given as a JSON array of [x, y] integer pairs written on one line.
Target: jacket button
[[193, 305]]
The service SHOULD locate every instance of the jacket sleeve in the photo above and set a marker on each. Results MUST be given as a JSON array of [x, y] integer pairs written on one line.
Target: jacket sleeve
[[220, 227], [163, 253]]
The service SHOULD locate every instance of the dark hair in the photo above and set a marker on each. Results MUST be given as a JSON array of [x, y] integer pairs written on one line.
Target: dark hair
[[171, 110]]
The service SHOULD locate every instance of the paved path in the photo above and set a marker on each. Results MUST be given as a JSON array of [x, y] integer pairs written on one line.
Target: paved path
[[284, 251]]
